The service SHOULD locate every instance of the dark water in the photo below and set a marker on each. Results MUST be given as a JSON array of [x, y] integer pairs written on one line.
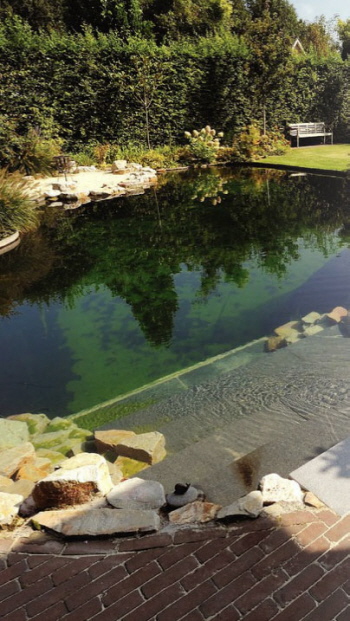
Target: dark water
[[116, 294]]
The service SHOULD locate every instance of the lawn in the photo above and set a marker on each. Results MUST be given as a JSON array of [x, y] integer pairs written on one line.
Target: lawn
[[324, 157]]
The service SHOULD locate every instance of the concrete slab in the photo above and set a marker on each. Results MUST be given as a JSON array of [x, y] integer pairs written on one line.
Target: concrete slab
[[328, 476]]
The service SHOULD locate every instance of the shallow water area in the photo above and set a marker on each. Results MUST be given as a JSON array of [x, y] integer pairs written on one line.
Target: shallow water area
[[104, 300]]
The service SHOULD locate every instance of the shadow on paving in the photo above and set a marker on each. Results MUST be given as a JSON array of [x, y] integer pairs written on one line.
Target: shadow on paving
[[291, 568]]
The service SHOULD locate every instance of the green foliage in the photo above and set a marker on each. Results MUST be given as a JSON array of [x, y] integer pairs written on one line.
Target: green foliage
[[97, 89], [252, 144], [343, 30], [17, 209]]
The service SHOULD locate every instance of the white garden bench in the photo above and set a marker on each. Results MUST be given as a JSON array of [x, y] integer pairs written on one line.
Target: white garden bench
[[309, 130]]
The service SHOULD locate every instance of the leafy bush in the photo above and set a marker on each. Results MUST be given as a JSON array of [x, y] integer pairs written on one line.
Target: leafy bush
[[36, 154], [203, 144], [252, 144], [83, 159], [17, 208]]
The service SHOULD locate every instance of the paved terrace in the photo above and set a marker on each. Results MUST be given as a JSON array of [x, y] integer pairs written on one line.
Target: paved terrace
[[293, 568]]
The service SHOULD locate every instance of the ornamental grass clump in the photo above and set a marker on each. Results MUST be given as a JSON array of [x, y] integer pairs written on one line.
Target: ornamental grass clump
[[17, 208], [204, 144]]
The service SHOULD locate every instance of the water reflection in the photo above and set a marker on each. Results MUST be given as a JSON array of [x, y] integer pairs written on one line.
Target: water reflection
[[222, 230]]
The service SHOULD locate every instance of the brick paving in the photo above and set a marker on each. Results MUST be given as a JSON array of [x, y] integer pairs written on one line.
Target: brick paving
[[293, 568]]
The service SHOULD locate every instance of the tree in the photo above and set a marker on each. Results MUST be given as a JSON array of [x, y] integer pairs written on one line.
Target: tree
[[40, 14], [174, 19], [343, 29], [270, 37], [149, 73]]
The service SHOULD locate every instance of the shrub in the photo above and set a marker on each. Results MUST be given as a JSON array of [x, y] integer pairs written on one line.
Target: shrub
[[17, 208], [203, 144], [36, 154], [252, 144]]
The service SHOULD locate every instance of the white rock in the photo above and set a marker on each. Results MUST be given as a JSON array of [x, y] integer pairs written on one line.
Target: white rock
[[14, 458], [137, 494], [98, 522], [250, 505], [135, 166], [65, 187], [119, 165], [9, 507], [276, 489], [12, 433], [52, 193]]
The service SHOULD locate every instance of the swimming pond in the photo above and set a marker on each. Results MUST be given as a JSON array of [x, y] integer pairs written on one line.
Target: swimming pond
[[116, 294]]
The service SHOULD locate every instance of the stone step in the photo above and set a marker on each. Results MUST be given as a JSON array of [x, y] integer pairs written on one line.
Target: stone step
[[218, 466]]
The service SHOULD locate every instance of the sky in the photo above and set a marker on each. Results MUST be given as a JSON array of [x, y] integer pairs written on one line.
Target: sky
[[309, 9]]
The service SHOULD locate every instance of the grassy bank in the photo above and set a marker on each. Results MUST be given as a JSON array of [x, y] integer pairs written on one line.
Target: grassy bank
[[323, 157]]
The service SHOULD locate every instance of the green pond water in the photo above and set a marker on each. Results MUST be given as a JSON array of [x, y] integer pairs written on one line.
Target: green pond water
[[114, 295]]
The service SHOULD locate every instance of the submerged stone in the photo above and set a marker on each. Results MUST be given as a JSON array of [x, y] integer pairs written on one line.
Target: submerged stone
[[130, 467], [311, 330], [274, 342], [288, 329], [311, 318], [337, 314]]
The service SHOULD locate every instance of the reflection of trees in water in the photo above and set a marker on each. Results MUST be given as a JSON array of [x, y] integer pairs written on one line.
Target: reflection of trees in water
[[135, 246]]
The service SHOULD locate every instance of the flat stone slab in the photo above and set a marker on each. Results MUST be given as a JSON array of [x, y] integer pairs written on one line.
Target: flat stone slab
[[328, 477], [98, 522]]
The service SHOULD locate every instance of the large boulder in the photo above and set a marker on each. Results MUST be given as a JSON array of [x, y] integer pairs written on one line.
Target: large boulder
[[97, 522], [137, 494], [12, 459], [75, 482], [146, 447], [12, 433]]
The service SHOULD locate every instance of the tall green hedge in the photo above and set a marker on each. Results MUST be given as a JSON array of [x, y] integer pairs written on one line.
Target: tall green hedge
[[87, 88]]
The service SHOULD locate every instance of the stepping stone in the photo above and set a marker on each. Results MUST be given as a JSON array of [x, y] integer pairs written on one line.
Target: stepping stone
[[328, 477]]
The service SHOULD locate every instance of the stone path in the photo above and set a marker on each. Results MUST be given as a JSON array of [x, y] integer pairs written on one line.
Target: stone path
[[293, 568]]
